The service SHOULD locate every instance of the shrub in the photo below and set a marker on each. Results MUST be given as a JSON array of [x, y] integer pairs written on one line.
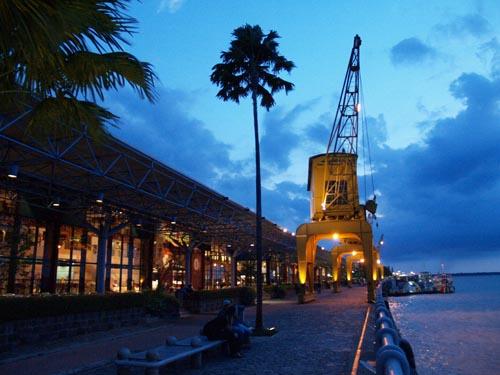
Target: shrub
[[244, 295], [159, 303], [30, 307]]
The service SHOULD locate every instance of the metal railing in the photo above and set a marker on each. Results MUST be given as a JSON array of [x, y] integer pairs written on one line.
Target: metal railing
[[394, 354]]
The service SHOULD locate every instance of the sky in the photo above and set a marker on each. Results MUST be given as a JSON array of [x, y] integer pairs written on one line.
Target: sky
[[431, 101]]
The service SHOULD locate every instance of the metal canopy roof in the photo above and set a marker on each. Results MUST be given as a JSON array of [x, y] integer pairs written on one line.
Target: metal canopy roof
[[76, 169]]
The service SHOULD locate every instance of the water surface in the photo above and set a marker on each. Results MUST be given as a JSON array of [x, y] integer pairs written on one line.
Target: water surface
[[454, 334]]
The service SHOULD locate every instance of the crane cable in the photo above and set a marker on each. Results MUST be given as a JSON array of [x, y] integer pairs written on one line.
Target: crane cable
[[364, 127]]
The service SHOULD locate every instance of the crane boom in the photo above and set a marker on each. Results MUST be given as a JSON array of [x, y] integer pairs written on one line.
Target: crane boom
[[344, 134]]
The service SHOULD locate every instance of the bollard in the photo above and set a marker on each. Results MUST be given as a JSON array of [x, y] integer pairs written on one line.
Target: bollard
[[171, 340], [123, 353], [152, 356]]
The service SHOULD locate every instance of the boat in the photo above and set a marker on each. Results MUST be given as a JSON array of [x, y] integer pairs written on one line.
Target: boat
[[443, 283], [417, 283]]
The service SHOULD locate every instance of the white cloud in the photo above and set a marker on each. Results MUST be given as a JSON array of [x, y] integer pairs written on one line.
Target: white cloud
[[172, 5]]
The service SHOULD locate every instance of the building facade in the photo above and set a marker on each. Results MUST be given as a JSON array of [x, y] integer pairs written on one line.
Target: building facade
[[85, 216]]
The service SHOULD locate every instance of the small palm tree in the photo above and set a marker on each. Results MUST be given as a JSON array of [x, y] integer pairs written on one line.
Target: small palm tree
[[59, 57], [250, 66]]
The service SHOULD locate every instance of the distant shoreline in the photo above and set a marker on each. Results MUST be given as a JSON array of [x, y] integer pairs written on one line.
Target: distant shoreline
[[476, 274]]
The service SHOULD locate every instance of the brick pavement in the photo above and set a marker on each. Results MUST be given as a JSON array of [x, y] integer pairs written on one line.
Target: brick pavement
[[317, 338]]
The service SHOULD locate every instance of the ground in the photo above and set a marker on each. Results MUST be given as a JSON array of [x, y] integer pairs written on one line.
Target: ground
[[317, 338]]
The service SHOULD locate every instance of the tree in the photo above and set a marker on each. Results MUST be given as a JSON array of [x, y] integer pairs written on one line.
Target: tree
[[59, 57], [250, 67]]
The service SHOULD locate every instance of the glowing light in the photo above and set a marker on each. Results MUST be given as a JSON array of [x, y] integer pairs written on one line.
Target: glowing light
[[293, 233], [336, 236], [56, 202], [252, 245], [381, 242], [323, 206], [285, 230], [13, 171], [100, 197], [322, 248], [362, 260], [354, 252], [378, 261], [358, 107]]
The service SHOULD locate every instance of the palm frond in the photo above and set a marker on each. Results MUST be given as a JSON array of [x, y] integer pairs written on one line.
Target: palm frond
[[276, 83], [252, 54], [93, 73], [266, 98], [54, 52], [60, 116]]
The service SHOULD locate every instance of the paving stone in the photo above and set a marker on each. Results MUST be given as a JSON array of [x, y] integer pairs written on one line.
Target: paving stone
[[316, 338]]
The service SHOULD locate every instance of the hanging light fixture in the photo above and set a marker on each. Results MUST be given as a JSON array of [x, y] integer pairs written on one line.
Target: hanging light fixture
[[56, 202], [100, 197], [13, 171]]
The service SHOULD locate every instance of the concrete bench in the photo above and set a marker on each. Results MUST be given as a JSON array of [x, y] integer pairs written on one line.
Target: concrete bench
[[174, 350]]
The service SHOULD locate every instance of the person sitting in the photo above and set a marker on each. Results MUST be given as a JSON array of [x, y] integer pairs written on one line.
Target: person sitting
[[234, 313], [221, 328]]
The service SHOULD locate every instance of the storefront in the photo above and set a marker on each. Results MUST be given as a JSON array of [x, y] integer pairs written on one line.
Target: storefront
[[78, 216]]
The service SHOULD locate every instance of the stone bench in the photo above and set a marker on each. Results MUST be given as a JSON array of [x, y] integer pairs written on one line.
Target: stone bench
[[174, 351]]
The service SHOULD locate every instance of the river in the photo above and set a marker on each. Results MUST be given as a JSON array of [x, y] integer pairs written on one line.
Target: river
[[454, 334]]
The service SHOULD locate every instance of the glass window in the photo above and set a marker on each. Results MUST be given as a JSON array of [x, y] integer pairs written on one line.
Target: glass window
[[37, 277], [217, 268], [124, 280], [23, 277], [115, 280], [136, 280], [90, 276], [75, 278], [137, 252], [116, 250], [92, 248], [62, 277]]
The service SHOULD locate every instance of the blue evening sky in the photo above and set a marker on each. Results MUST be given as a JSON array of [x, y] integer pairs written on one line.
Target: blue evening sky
[[431, 84]]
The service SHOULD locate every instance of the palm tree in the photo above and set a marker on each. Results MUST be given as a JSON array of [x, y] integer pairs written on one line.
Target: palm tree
[[59, 57], [250, 66]]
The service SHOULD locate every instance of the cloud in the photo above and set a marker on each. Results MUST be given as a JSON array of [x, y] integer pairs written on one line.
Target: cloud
[[319, 131], [411, 51], [287, 204], [490, 53], [168, 133], [439, 197], [471, 24], [279, 138], [172, 5]]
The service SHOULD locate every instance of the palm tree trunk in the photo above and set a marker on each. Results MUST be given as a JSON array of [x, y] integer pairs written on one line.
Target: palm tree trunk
[[258, 219]]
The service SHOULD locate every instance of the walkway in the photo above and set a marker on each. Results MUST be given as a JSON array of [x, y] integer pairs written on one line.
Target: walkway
[[317, 338]]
